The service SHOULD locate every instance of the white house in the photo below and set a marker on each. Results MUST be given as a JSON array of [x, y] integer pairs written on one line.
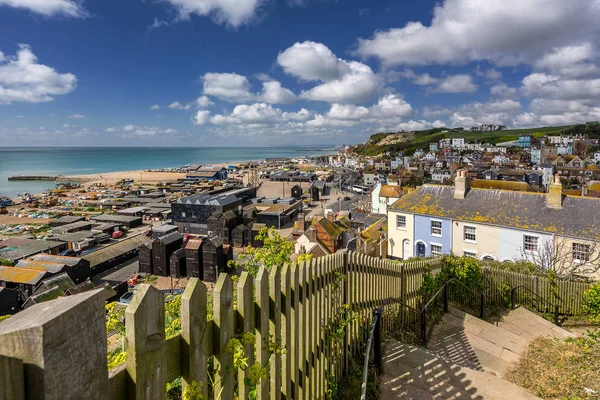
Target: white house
[[440, 175], [458, 143], [384, 196]]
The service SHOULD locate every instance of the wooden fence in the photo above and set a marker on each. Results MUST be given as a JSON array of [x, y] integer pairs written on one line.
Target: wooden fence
[[59, 347], [568, 295]]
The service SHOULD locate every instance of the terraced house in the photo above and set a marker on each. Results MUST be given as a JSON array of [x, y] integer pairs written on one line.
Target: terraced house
[[492, 224]]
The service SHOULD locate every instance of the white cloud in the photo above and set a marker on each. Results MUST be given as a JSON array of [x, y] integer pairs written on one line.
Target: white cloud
[[273, 93], [311, 61], [506, 32], [264, 119], [135, 131], [49, 8], [66, 126], [156, 24], [571, 61], [492, 74], [436, 111], [178, 106], [461, 83], [498, 112], [155, 107], [391, 106], [502, 90], [228, 12], [203, 101], [554, 86], [341, 81], [23, 79], [421, 125], [76, 116], [422, 79], [235, 88]]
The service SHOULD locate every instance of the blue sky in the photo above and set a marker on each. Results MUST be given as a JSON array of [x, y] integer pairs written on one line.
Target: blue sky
[[258, 72]]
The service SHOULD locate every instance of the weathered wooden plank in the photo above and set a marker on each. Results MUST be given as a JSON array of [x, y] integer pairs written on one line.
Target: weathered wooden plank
[[172, 358], [275, 331], [286, 325], [12, 379], [309, 373], [245, 323], [295, 331], [194, 354], [261, 313], [301, 353], [145, 328], [320, 388], [223, 331], [42, 337], [117, 382]]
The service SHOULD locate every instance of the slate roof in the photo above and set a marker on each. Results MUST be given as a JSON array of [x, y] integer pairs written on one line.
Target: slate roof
[[28, 249], [67, 260], [109, 252], [170, 238], [62, 281], [21, 275], [507, 208], [51, 267]]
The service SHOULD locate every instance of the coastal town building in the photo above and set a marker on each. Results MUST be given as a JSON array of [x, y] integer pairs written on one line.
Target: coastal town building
[[492, 224]]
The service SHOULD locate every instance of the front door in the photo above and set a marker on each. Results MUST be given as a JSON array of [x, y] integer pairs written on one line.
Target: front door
[[406, 250], [420, 249]]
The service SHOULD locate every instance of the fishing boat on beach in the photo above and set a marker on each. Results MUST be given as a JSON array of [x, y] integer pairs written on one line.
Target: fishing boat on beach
[[5, 201]]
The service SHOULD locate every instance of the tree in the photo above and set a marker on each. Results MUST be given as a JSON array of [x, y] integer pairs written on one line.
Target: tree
[[275, 252], [566, 259]]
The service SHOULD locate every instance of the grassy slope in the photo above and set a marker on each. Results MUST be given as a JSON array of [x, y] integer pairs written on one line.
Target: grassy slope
[[560, 369], [423, 138]]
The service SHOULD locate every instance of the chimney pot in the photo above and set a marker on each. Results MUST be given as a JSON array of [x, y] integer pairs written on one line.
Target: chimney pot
[[554, 196]]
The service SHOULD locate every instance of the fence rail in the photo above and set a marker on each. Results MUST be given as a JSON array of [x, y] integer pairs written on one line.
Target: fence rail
[[58, 349], [569, 296]]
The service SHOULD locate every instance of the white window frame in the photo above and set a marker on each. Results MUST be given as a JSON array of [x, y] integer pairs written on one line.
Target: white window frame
[[398, 226], [537, 243], [465, 234], [440, 228], [471, 254], [573, 251], [441, 252]]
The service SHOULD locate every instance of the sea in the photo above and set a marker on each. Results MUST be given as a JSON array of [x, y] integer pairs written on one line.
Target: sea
[[93, 160]]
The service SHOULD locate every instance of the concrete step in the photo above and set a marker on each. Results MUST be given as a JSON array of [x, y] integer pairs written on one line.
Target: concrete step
[[471, 342], [529, 325], [413, 373]]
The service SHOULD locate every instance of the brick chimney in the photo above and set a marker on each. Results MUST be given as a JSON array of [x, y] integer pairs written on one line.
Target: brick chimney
[[331, 216], [462, 184], [554, 196], [311, 233], [301, 222]]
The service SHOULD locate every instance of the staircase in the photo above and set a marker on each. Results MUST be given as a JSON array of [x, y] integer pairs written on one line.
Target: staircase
[[465, 358], [413, 373], [476, 344]]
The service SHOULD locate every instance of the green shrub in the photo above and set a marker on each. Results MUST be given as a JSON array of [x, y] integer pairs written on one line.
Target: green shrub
[[592, 306]]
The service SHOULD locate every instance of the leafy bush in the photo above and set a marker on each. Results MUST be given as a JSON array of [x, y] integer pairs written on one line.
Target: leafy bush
[[592, 306]]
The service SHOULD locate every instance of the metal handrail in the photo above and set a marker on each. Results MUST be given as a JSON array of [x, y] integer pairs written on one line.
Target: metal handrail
[[375, 329]]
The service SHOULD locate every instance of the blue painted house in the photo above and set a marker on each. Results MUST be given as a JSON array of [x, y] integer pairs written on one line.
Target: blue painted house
[[432, 236]]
